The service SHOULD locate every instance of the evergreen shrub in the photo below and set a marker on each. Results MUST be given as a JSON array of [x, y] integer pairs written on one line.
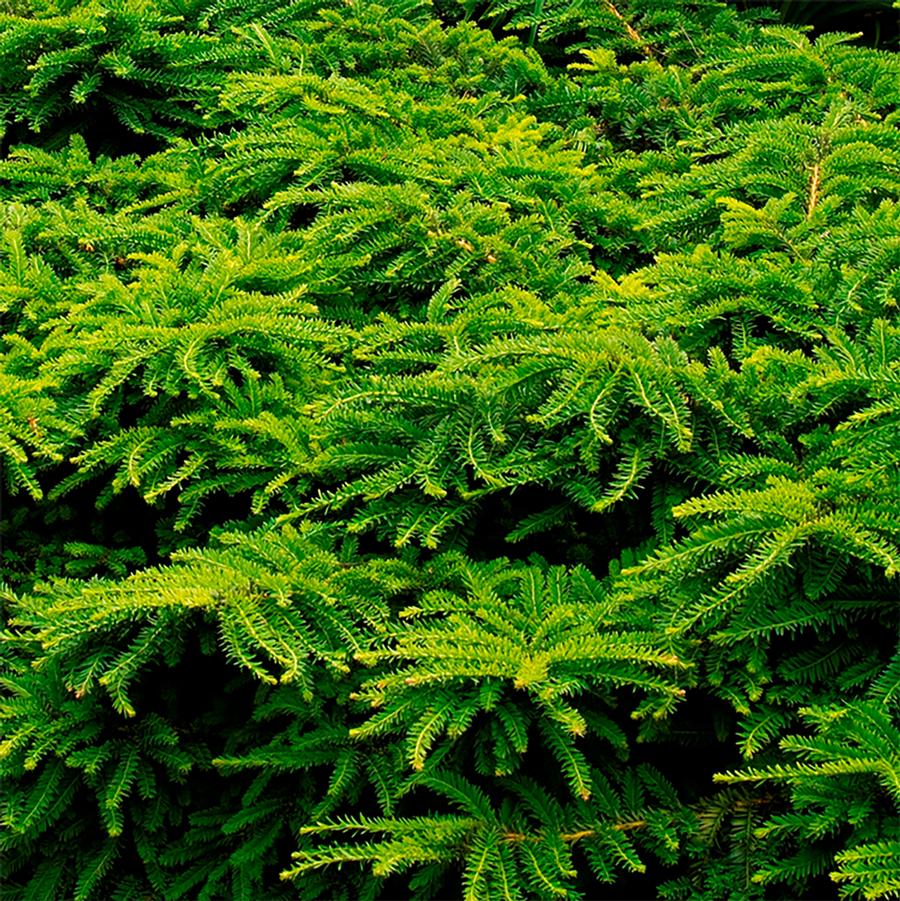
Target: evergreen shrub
[[450, 450]]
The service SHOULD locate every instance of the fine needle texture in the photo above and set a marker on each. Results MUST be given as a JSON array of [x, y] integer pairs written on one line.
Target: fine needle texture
[[449, 450]]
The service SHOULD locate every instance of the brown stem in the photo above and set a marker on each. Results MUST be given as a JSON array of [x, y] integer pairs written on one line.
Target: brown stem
[[813, 190], [635, 37], [627, 827], [518, 837], [575, 836]]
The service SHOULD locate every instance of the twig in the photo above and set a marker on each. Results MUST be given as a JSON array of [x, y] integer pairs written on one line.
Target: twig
[[629, 28], [813, 190], [572, 837]]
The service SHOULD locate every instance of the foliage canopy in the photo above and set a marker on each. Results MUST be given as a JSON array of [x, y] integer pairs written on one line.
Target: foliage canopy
[[449, 450]]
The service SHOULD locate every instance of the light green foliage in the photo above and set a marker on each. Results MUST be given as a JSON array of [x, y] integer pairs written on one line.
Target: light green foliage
[[453, 444]]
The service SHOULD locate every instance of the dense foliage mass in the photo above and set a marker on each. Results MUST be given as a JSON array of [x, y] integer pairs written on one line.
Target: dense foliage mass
[[449, 450]]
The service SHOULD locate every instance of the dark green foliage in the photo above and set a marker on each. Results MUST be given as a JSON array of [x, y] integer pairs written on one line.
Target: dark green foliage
[[449, 450]]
